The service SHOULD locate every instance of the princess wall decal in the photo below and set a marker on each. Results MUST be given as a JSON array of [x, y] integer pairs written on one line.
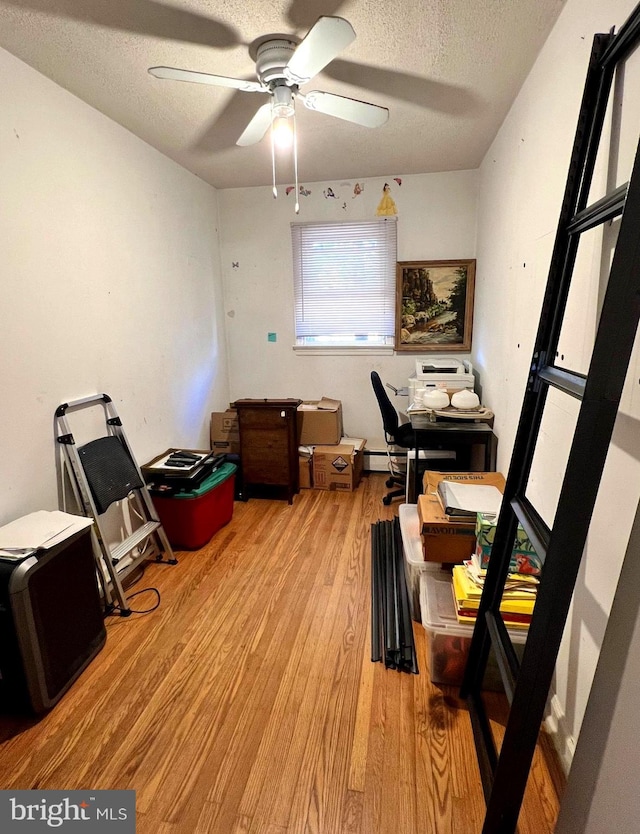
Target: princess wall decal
[[386, 206]]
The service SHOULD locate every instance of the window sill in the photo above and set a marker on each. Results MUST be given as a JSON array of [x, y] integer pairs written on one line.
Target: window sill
[[343, 351]]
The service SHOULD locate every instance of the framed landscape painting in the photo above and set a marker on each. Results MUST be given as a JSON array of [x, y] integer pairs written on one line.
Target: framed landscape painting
[[434, 305]]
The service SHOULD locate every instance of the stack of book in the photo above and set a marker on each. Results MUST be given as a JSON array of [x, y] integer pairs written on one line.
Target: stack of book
[[518, 599]]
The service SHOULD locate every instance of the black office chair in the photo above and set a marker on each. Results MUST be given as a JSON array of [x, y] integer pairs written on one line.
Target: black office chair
[[396, 435]]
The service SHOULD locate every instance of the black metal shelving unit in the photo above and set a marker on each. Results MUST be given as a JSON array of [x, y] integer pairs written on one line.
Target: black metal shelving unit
[[504, 774]]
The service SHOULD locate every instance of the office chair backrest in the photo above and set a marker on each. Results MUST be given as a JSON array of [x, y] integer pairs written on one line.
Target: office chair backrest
[[389, 414]]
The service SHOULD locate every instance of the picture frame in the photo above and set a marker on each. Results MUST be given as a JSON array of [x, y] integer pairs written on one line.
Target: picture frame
[[434, 305]]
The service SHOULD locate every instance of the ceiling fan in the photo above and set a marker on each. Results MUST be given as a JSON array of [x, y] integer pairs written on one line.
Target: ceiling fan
[[283, 65]]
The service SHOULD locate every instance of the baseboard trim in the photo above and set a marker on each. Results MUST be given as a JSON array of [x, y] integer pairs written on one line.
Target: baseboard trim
[[375, 459], [555, 724]]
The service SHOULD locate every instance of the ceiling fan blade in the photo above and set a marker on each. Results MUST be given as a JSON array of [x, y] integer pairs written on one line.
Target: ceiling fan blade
[[257, 127], [326, 39], [350, 109], [220, 132], [175, 74], [145, 17]]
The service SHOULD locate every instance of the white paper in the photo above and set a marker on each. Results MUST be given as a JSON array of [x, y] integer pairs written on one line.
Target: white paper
[[16, 554], [474, 498], [43, 528]]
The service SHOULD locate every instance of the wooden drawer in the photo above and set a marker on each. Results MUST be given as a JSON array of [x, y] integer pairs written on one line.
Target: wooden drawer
[[264, 418], [265, 457]]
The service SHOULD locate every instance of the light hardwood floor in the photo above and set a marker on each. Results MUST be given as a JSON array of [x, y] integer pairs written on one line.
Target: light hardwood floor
[[247, 702]]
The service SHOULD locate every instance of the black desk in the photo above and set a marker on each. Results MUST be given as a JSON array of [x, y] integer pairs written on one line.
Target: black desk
[[447, 434]]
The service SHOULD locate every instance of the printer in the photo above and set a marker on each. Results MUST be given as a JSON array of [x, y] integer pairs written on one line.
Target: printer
[[445, 372]]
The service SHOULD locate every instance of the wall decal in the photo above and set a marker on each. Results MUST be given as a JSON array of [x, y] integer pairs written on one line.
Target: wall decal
[[329, 193], [357, 190], [386, 206], [398, 180], [304, 192]]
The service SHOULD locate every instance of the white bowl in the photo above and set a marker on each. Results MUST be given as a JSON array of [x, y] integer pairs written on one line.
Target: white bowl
[[435, 398], [465, 400]]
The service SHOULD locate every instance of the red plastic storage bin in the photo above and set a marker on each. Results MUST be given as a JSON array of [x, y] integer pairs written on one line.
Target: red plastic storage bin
[[191, 518]]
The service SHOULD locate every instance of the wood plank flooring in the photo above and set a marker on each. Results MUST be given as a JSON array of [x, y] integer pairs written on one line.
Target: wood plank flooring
[[247, 702]]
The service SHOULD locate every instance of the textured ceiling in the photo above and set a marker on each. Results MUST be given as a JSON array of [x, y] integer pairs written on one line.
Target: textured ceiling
[[447, 70]]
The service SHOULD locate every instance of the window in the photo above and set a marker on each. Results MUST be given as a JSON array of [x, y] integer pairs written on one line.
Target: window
[[344, 283]]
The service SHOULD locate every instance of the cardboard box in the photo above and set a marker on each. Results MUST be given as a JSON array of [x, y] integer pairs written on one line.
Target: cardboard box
[[225, 431], [320, 422], [339, 467], [431, 479], [444, 540], [524, 559], [304, 466]]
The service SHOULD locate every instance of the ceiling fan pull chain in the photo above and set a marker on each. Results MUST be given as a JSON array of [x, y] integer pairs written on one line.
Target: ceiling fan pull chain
[[273, 155], [295, 162]]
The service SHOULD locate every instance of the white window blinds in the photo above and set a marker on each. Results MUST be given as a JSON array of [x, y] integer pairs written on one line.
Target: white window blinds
[[344, 282]]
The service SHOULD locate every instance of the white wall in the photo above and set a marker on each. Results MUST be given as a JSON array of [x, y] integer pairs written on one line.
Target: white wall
[[602, 791], [109, 281], [436, 219], [522, 181]]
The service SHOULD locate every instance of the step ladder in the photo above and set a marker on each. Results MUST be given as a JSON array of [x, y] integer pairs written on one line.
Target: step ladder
[[527, 682], [101, 472]]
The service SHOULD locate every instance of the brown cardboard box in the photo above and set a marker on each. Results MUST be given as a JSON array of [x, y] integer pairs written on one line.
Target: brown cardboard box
[[431, 479], [444, 540], [320, 422], [338, 467], [304, 466], [225, 432]]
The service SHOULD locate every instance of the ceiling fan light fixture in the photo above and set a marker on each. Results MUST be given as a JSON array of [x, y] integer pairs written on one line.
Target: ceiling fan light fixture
[[282, 132], [282, 105]]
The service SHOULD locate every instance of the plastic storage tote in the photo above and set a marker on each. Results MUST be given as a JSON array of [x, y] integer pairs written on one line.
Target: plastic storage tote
[[191, 518], [448, 640], [414, 562]]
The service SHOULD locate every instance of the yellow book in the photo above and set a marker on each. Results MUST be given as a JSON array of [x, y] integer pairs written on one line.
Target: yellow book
[[517, 586], [468, 595]]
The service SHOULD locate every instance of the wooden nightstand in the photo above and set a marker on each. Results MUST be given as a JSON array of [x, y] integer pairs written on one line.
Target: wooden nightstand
[[269, 445]]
